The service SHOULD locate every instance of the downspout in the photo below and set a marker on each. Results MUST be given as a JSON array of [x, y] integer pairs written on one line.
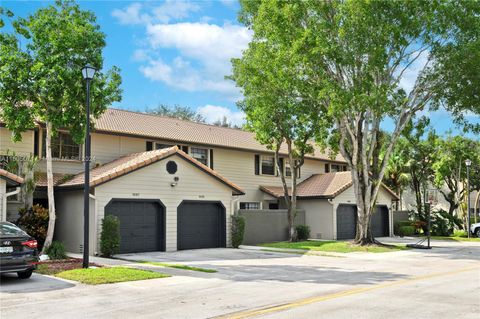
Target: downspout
[[334, 219], [4, 205]]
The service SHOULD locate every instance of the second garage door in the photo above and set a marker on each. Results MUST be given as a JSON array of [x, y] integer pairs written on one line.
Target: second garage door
[[200, 225], [346, 221], [380, 224], [141, 224]]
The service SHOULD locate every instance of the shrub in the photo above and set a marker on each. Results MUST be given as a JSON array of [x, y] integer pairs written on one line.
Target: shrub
[[110, 236], [406, 230], [399, 224], [56, 250], [34, 221], [238, 230], [442, 223], [303, 232]]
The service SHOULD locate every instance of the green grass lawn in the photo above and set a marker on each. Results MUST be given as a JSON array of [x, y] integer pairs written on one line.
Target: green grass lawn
[[456, 238], [333, 246], [184, 267], [97, 276]]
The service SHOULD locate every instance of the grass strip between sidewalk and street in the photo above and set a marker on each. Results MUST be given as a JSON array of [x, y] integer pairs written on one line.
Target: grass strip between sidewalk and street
[[108, 275], [334, 246], [178, 266]]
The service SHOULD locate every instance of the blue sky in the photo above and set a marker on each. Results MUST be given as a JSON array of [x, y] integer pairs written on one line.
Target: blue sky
[[177, 52]]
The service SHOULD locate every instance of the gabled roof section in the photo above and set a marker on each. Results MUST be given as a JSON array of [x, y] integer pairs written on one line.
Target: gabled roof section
[[115, 121], [328, 185], [132, 162], [11, 178]]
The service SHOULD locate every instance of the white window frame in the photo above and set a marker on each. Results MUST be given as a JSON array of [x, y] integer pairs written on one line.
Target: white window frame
[[261, 166], [203, 148], [81, 148], [252, 202]]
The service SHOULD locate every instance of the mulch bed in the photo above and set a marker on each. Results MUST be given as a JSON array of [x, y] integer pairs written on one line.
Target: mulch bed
[[52, 267]]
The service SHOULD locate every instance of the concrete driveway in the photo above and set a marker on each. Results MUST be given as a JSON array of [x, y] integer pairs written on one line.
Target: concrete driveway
[[440, 283]]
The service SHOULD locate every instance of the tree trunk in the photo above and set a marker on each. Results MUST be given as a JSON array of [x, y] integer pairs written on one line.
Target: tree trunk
[[290, 199], [51, 199], [364, 235]]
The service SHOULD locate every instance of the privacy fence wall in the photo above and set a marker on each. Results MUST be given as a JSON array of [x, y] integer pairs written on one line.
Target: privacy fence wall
[[267, 225]]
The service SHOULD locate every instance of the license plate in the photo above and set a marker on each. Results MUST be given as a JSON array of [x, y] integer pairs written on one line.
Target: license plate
[[7, 249]]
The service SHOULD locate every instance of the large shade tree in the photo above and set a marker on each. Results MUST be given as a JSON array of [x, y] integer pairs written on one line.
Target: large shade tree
[[450, 170], [41, 80], [275, 110], [368, 61]]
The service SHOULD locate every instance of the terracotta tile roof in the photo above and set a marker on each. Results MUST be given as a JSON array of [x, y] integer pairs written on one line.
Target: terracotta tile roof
[[327, 185], [159, 127], [41, 179], [12, 178], [131, 162]]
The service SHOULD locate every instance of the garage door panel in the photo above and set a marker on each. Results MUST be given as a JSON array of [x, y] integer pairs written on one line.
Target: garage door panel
[[380, 222], [200, 225], [346, 221], [141, 224]]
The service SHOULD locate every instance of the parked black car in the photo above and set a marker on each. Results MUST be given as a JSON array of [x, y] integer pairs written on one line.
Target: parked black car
[[18, 251]]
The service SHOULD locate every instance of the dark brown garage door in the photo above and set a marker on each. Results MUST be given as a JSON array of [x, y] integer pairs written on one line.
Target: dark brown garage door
[[142, 226], [346, 221], [380, 224], [200, 225]]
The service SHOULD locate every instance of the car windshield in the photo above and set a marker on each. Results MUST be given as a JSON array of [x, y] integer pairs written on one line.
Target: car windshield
[[7, 229]]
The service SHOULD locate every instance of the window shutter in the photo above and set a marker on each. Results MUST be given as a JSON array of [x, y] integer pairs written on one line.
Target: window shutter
[[281, 165], [257, 164], [211, 158], [327, 168], [299, 172], [184, 148], [36, 141], [149, 146]]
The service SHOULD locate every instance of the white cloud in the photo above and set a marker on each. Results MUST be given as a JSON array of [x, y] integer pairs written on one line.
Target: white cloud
[[131, 15], [201, 50], [174, 10], [208, 47], [407, 82], [214, 113], [167, 11]]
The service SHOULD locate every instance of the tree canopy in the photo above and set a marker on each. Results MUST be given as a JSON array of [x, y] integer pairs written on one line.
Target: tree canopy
[[360, 63]]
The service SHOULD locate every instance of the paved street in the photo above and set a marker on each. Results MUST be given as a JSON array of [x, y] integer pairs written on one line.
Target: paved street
[[441, 283]]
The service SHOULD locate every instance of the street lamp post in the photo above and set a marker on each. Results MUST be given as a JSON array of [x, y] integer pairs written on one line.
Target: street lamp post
[[88, 73], [468, 163]]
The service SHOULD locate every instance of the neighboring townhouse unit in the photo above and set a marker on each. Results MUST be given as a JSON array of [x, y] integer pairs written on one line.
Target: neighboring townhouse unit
[[230, 171]]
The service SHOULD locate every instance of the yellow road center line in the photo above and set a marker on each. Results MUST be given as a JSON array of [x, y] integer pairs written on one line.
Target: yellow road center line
[[307, 301]]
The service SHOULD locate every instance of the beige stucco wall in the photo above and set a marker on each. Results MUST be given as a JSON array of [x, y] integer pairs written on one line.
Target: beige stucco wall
[[106, 148], [239, 167], [319, 217], [348, 197], [153, 182], [69, 222], [22, 148]]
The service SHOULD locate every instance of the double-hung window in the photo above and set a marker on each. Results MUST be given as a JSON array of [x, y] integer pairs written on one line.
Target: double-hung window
[[64, 147], [200, 154], [267, 165]]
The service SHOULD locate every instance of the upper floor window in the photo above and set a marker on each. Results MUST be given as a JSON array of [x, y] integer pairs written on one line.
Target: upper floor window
[[268, 165], [288, 170], [200, 154], [337, 168], [64, 147]]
